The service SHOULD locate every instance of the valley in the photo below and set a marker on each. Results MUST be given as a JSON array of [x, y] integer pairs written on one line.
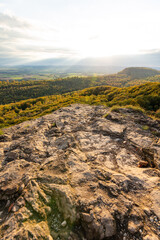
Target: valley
[[144, 97], [15, 87]]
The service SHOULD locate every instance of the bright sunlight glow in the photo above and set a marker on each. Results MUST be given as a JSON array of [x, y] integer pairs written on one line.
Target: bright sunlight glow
[[70, 28]]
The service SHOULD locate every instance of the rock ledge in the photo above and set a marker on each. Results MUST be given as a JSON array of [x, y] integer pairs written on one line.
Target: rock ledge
[[76, 175]]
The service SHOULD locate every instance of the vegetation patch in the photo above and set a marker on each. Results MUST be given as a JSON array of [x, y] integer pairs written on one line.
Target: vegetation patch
[[138, 109], [145, 127], [54, 214], [1, 132], [143, 98], [54, 125], [18, 88], [36, 216]]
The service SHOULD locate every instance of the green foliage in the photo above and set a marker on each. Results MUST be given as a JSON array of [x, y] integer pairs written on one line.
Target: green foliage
[[1, 132], [1, 120], [150, 102], [145, 127], [14, 91], [54, 125], [135, 108], [140, 98], [157, 114]]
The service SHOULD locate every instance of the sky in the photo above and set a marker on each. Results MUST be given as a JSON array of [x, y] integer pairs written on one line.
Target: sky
[[40, 29]]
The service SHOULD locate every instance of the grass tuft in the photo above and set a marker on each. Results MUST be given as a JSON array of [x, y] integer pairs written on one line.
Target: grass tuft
[[145, 127], [116, 108]]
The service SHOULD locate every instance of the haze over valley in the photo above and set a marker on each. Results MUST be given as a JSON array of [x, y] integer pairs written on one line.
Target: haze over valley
[[85, 33]]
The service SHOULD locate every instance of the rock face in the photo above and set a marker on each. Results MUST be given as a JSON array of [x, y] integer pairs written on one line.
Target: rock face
[[77, 175]]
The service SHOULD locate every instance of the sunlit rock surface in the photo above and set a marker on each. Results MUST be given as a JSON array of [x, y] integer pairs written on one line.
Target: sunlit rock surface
[[77, 175]]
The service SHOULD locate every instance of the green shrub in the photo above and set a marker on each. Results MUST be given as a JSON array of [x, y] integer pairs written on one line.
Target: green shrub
[[1, 132], [145, 127], [1, 120], [157, 114]]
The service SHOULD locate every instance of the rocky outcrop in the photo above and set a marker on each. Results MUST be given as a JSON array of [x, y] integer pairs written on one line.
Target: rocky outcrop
[[82, 172]]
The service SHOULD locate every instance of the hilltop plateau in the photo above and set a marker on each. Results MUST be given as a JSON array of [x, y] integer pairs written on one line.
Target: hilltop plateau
[[81, 173]]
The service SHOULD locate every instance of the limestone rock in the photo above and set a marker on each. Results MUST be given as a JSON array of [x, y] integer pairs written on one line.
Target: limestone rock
[[134, 226], [77, 175], [151, 237], [156, 202]]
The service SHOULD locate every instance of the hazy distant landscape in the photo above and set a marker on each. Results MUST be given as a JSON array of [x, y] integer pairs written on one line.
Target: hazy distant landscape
[[53, 72], [23, 98], [24, 83]]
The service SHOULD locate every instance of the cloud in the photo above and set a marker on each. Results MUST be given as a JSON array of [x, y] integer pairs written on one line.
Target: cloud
[[46, 49], [8, 20], [94, 37], [12, 31], [2, 5], [20, 38], [150, 51], [10, 35]]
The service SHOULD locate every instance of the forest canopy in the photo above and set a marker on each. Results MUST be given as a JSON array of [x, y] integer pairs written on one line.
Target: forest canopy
[[145, 96]]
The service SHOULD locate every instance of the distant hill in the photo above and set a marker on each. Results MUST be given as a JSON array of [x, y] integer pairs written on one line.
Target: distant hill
[[139, 72]]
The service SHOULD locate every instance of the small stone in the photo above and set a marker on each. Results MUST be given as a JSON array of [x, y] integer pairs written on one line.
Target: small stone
[[49, 237], [147, 211], [64, 223], [21, 187], [151, 237], [133, 227], [155, 219], [8, 203], [48, 209], [87, 217], [151, 219], [15, 208]]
